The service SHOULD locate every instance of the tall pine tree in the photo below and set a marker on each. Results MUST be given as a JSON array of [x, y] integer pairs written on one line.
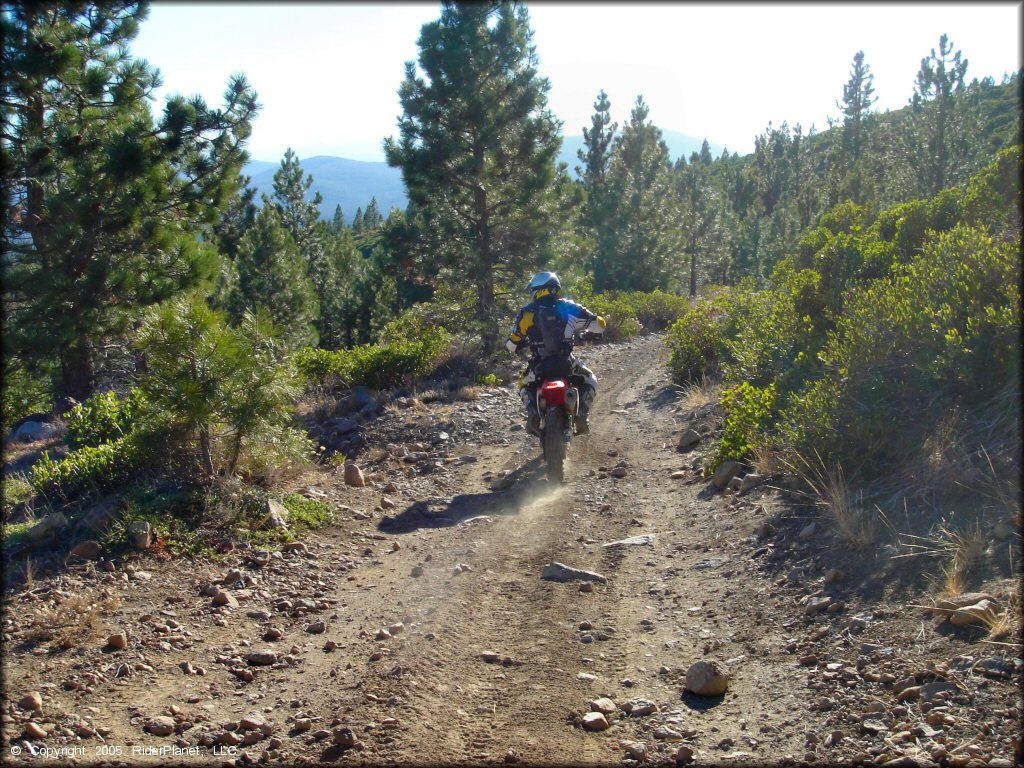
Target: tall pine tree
[[938, 128], [102, 201], [642, 210], [477, 149]]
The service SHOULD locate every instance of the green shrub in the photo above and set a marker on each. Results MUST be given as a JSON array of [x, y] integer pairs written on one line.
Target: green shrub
[[630, 312], [696, 343], [23, 392], [374, 366], [941, 331], [749, 412], [102, 418], [993, 198], [91, 467], [306, 514]]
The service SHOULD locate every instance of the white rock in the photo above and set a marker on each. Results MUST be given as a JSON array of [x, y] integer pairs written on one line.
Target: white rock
[[982, 612], [707, 678]]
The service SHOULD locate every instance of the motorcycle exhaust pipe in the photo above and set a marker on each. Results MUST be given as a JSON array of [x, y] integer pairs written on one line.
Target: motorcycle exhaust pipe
[[572, 400]]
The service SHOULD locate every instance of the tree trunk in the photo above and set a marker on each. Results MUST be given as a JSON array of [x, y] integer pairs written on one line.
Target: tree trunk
[[205, 454], [485, 259], [78, 379], [693, 274]]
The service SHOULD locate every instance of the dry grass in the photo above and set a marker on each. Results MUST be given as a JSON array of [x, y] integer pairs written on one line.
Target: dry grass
[[960, 551], [944, 461], [766, 461], [469, 392], [698, 394], [1001, 625], [71, 621], [832, 494]]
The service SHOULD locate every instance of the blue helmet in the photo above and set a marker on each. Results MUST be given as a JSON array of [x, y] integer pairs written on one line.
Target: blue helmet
[[544, 283]]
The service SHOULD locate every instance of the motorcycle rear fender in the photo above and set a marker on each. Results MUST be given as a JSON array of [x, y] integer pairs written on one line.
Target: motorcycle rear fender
[[558, 392]]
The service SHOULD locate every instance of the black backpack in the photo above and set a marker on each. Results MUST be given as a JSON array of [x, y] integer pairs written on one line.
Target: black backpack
[[552, 331]]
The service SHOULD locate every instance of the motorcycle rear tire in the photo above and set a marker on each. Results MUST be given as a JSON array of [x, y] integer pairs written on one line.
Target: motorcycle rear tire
[[554, 445]]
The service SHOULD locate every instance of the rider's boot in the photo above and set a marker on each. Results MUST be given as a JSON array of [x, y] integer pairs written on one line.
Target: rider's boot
[[583, 414], [532, 416]]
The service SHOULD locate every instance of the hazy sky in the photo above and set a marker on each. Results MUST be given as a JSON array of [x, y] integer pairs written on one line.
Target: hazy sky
[[327, 74]]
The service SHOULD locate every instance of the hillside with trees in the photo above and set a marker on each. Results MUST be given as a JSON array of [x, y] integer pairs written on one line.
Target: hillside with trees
[[833, 319]]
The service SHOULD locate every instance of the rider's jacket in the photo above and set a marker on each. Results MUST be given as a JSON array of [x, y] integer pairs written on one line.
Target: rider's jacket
[[548, 325]]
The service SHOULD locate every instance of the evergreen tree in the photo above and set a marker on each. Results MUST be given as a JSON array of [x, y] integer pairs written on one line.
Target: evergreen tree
[[102, 201], [597, 141], [642, 209], [477, 149], [338, 222], [372, 218], [273, 275], [335, 280], [701, 215], [236, 219], [936, 123], [858, 97], [299, 212]]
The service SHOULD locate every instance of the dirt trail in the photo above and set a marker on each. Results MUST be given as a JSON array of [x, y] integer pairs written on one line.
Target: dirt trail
[[486, 662]]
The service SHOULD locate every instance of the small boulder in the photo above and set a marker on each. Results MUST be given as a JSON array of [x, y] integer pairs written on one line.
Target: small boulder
[[264, 658], [688, 440], [276, 515], [345, 737], [161, 726], [33, 431], [980, 614], [31, 701], [354, 475], [85, 550], [603, 705], [141, 534], [707, 678], [948, 606], [101, 517], [595, 721], [725, 473], [35, 731], [223, 597], [254, 721], [118, 641], [47, 527], [751, 480]]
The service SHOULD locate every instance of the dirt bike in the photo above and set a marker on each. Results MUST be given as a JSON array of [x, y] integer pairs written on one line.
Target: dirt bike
[[558, 402]]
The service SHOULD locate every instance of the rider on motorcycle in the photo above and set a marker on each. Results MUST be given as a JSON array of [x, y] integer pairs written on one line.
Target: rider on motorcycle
[[549, 324]]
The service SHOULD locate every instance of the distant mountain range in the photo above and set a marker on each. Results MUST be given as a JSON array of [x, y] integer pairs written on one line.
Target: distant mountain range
[[353, 183]]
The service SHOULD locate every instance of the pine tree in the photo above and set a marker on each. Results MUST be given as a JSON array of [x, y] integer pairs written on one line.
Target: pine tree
[[858, 97], [338, 222], [273, 275], [701, 215], [641, 209], [477, 149], [299, 212], [102, 202], [934, 117], [597, 141]]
